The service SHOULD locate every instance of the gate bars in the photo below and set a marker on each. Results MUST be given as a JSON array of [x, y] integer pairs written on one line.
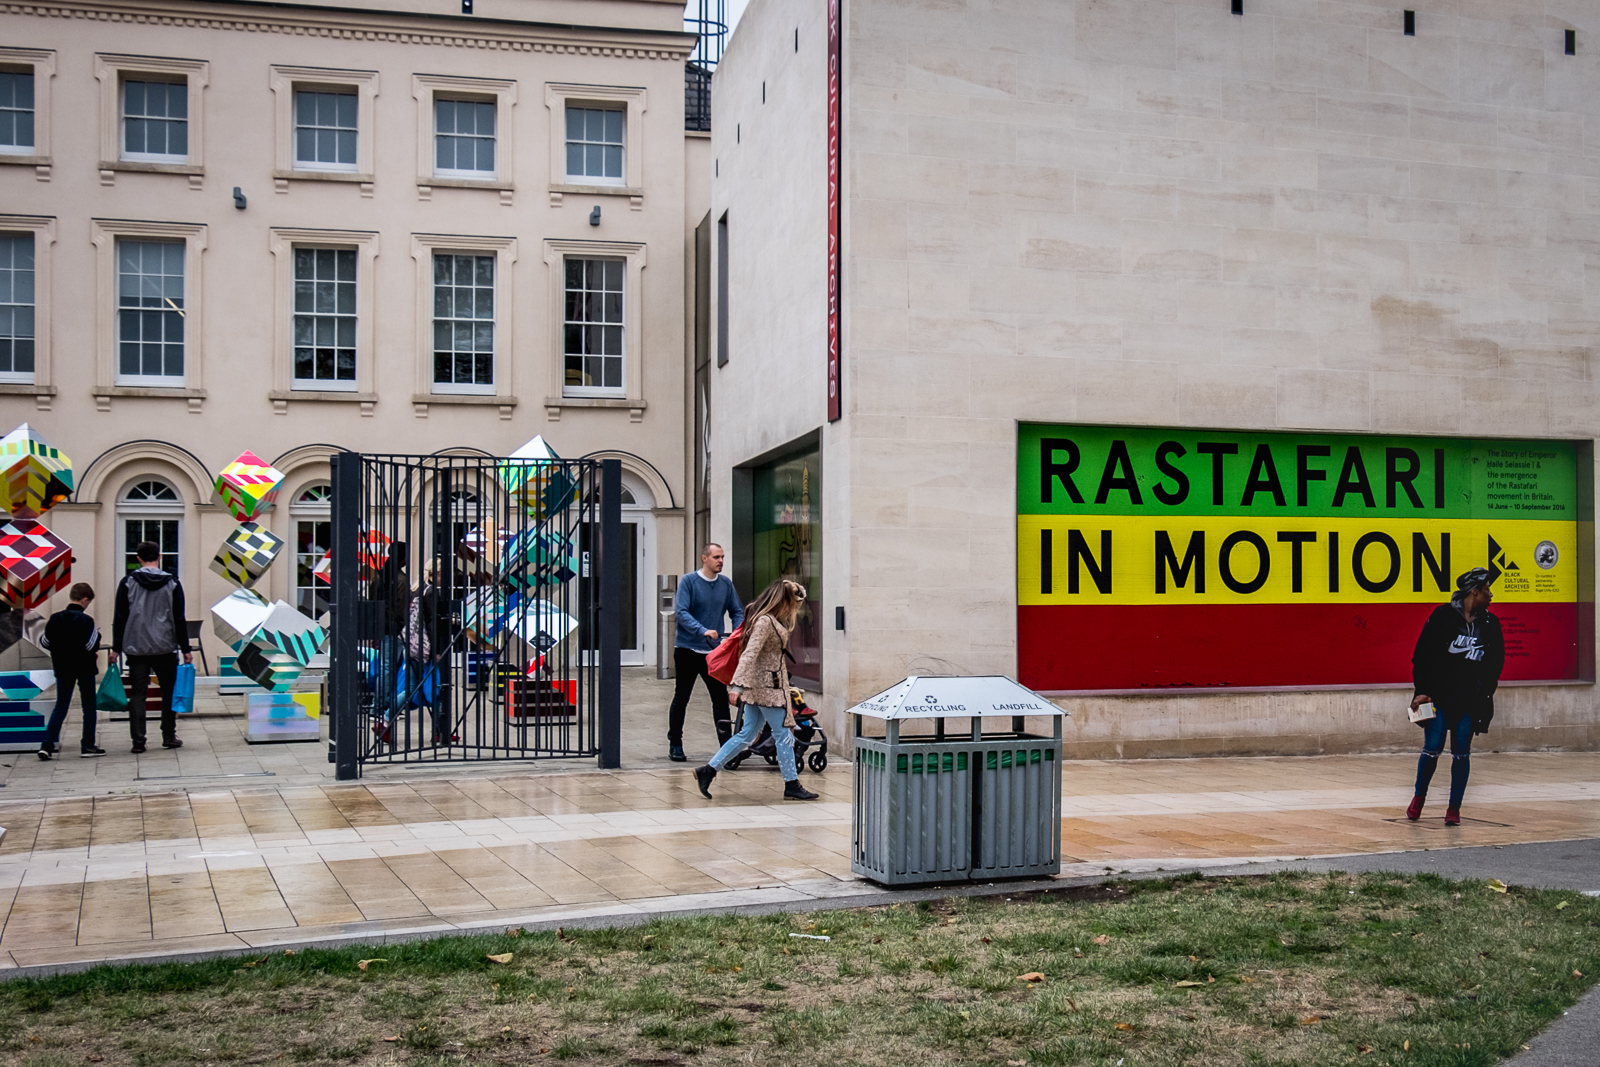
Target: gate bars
[[475, 610]]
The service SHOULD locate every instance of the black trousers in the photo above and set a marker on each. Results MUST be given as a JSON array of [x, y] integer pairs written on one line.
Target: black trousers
[[689, 665], [65, 683], [139, 668]]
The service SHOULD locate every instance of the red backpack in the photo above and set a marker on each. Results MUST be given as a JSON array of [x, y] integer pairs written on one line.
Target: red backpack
[[723, 660]]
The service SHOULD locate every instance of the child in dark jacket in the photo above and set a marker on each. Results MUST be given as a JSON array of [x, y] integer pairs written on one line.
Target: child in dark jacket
[[71, 638]]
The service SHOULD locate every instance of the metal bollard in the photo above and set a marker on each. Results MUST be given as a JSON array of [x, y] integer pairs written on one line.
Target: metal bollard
[[666, 623]]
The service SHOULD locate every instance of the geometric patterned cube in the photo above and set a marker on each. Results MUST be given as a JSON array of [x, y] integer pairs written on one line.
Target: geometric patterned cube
[[484, 614], [34, 563], [538, 484], [246, 554], [290, 633], [533, 559], [235, 617], [541, 625], [248, 485], [33, 476], [25, 685], [274, 672], [372, 551]]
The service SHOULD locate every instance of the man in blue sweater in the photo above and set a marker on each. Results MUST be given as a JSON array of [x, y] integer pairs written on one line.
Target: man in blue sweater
[[704, 597]]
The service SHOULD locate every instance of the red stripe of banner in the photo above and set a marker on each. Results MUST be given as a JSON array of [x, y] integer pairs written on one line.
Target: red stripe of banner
[[1063, 647]]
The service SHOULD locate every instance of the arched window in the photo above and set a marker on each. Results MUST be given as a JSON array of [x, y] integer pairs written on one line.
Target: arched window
[[312, 510], [151, 510]]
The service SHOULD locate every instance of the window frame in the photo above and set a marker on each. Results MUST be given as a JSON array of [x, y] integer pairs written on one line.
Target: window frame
[[42, 63], [315, 512], [634, 102], [111, 71], [461, 173], [568, 389], [151, 381], [174, 510], [332, 384], [170, 158], [591, 105], [503, 93], [285, 82], [43, 231], [504, 249], [109, 381], [556, 253], [282, 242], [471, 388]]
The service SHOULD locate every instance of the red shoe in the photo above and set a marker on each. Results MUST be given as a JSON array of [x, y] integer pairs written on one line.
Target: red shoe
[[1452, 816], [1414, 812]]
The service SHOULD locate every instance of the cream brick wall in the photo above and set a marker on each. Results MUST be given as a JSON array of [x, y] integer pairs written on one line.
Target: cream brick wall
[[1155, 212], [237, 320]]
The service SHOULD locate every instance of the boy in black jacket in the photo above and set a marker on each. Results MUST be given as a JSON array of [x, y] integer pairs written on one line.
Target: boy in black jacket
[[71, 638]]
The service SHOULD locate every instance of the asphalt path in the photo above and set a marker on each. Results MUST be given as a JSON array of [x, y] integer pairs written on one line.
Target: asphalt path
[[1572, 1040]]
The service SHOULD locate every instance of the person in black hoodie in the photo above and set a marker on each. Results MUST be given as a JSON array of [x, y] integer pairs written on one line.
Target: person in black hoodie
[[1456, 665], [71, 638], [151, 626]]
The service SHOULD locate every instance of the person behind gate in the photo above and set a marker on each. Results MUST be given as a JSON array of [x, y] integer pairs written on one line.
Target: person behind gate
[[150, 625], [1456, 666], [704, 597]]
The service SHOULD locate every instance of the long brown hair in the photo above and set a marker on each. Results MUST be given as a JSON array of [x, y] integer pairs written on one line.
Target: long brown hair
[[781, 600]]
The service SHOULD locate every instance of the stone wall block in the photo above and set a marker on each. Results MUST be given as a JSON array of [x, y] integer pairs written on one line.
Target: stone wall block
[[1502, 74], [912, 179], [1551, 131], [962, 72], [1314, 211], [1412, 219], [1368, 263], [1363, 174], [1126, 196], [1270, 348], [1164, 250], [1428, 68], [1542, 274], [1325, 399], [1209, 43], [1069, 149], [1226, 203], [1141, 33], [1063, 242], [1311, 52], [1559, 363], [1040, 335], [1367, 114], [1022, 291], [1226, 396], [1171, 342], [1472, 124], [1503, 225], [1416, 403], [958, 139]]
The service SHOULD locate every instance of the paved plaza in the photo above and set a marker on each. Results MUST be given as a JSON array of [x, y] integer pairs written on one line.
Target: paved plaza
[[163, 855]]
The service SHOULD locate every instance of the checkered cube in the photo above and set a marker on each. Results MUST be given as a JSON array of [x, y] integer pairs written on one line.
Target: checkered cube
[[483, 614], [535, 476], [248, 485], [25, 685], [247, 553], [33, 476], [272, 671], [34, 563], [532, 560], [235, 617]]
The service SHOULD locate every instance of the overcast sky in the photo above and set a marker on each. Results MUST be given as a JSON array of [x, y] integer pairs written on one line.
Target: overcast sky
[[734, 9]]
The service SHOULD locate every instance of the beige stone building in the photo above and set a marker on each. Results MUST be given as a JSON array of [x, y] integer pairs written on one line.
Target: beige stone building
[[388, 227], [1340, 217]]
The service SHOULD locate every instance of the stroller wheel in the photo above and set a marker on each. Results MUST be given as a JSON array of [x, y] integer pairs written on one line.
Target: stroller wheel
[[772, 761], [817, 761], [733, 764]]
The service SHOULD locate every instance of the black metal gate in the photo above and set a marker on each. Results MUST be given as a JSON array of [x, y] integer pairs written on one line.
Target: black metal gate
[[476, 610]]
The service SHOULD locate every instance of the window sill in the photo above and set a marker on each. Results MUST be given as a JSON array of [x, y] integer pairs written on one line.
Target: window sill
[[42, 394], [281, 399], [151, 168], [635, 194], [103, 395], [420, 402], [464, 183], [29, 160], [321, 176], [634, 407]]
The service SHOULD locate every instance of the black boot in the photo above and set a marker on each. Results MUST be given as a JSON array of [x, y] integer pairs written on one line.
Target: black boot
[[703, 777], [795, 791]]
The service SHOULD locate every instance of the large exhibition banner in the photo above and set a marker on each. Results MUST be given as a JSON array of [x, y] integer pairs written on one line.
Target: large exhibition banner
[[1153, 558]]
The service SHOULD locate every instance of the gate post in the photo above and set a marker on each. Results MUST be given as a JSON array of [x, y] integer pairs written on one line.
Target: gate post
[[343, 667], [610, 725]]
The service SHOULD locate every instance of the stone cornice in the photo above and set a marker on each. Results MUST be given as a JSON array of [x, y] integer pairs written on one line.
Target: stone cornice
[[356, 25]]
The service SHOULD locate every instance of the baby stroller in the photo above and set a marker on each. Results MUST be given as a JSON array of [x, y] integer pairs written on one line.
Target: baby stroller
[[807, 735]]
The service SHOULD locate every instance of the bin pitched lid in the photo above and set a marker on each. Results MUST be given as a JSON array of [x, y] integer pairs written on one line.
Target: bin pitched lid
[[921, 697]]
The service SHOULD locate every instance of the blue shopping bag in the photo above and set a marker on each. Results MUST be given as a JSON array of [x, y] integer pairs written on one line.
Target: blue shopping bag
[[183, 689]]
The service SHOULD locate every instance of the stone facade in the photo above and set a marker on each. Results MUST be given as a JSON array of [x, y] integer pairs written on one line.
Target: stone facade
[[1157, 213], [241, 66]]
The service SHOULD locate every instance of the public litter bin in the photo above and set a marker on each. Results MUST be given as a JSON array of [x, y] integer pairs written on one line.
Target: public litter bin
[[945, 807]]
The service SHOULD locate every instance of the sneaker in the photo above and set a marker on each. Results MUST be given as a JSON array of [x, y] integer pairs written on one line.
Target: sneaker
[[795, 791], [90, 752], [703, 777], [44, 752], [1414, 812], [171, 742], [1452, 816], [675, 754]]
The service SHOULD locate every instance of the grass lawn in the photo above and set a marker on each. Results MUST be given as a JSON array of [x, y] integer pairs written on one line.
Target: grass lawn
[[1286, 969]]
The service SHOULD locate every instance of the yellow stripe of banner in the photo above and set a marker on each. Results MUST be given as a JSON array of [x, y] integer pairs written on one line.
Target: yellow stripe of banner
[[1341, 561]]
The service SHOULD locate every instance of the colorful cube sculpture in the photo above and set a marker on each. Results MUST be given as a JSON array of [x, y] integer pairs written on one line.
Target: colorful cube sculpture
[[33, 476], [541, 625], [272, 671], [25, 685], [248, 485], [22, 723], [532, 560], [34, 563], [285, 630], [536, 478], [479, 552], [235, 617], [283, 717], [484, 613], [247, 553]]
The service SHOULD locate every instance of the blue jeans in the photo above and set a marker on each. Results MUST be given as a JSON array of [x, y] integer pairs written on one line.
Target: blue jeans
[[1433, 734], [754, 716], [84, 683]]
